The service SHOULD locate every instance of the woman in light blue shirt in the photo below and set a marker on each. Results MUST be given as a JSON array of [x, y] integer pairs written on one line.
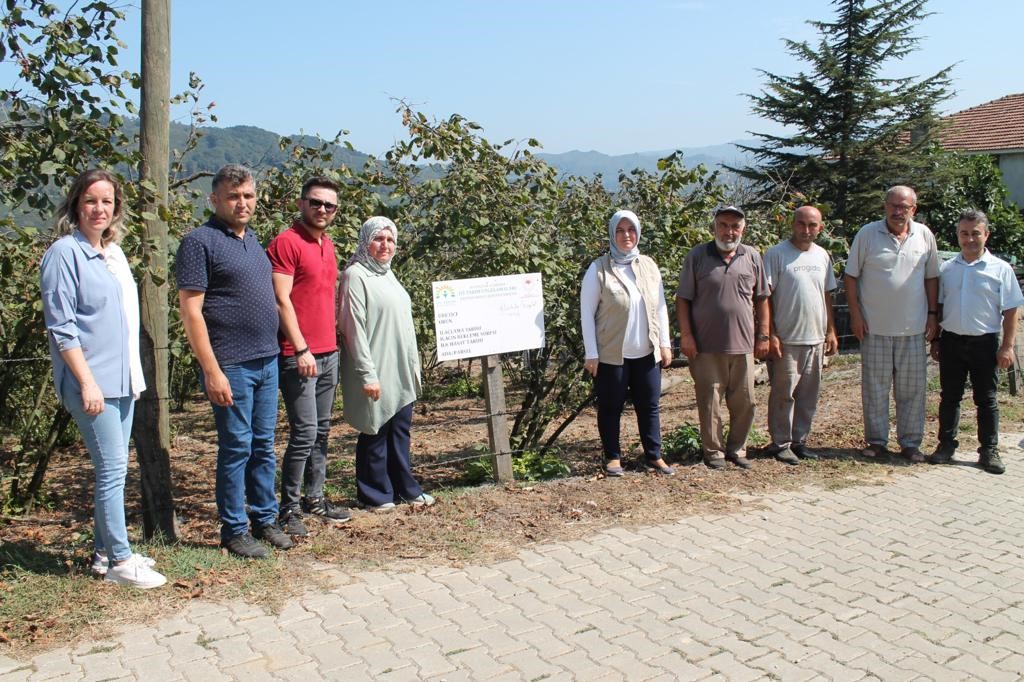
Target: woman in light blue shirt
[[91, 308]]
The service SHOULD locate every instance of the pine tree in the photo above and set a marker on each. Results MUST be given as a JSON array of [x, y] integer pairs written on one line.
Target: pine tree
[[857, 131]]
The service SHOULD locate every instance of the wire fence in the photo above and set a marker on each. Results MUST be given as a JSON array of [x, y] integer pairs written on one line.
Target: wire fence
[[847, 340]]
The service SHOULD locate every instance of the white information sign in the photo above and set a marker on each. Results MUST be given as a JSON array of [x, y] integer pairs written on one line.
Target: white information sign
[[488, 315]]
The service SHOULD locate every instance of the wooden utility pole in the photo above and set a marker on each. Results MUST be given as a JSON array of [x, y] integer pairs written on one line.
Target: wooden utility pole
[[497, 421], [152, 422]]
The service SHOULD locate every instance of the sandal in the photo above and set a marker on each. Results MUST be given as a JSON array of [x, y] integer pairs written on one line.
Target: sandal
[[913, 455], [613, 472], [664, 469], [875, 451]]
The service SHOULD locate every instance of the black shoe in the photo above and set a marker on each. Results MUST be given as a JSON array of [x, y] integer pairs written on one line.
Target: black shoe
[[787, 456], [245, 546], [291, 523], [991, 462], [943, 453], [802, 451], [319, 506], [273, 535], [714, 462]]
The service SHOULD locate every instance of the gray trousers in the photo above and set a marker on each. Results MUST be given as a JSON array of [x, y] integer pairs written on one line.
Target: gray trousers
[[900, 363], [308, 401], [795, 380]]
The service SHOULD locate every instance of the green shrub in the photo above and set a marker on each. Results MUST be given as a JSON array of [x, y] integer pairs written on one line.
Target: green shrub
[[451, 385], [683, 443], [529, 465]]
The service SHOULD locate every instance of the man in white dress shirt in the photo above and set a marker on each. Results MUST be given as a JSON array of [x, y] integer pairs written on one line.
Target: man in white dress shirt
[[978, 297]]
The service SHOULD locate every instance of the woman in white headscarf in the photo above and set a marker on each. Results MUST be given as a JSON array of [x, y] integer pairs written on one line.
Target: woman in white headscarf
[[625, 338], [380, 369]]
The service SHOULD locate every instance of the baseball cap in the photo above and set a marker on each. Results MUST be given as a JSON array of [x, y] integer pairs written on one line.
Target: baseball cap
[[730, 209]]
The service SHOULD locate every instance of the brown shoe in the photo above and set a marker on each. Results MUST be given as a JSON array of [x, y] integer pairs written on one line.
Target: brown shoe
[[714, 462], [740, 460]]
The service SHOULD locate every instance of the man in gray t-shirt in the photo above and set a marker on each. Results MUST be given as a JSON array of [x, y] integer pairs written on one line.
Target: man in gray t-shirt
[[801, 280]]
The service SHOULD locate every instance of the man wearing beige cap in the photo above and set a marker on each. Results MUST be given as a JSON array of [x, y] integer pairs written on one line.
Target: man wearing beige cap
[[722, 309]]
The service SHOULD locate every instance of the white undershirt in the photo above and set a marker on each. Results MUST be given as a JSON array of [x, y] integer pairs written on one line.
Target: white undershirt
[[118, 266]]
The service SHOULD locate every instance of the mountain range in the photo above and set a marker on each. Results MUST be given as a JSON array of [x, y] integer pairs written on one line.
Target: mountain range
[[591, 163], [258, 147]]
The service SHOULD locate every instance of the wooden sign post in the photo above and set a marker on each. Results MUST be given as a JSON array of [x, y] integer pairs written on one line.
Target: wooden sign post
[[497, 423], [483, 317]]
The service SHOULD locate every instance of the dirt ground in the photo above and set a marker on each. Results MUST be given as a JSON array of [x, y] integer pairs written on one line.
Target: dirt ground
[[469, 524]]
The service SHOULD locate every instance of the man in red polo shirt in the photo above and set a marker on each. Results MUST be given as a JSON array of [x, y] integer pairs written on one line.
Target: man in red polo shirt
[[305, 272]]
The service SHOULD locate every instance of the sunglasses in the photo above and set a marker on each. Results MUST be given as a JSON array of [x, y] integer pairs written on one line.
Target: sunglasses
[[325, 205]]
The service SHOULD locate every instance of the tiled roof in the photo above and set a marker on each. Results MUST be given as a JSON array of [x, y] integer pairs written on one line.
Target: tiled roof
[[994, 126]]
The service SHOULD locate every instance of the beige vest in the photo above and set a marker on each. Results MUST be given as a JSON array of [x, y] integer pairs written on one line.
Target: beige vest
[[613, 306]]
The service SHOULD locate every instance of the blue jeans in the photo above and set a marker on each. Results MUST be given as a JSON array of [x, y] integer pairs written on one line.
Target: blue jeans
[[106, 436], [383, 464], [309, 401], [640, 378], [246, 464]]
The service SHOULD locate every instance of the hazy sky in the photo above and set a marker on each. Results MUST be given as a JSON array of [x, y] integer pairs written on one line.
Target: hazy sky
[[607, 75]]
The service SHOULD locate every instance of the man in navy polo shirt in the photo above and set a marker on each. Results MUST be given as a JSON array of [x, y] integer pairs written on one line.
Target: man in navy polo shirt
[[230, 317], [978, 297]]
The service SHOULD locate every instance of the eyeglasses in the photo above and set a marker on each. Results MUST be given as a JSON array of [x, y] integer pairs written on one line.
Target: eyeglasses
[[325, 205]]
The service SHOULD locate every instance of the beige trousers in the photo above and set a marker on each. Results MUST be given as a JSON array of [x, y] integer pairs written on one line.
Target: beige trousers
[[718, 376]]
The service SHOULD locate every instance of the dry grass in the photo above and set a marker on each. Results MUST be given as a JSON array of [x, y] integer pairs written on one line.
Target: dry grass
[[47, 597]]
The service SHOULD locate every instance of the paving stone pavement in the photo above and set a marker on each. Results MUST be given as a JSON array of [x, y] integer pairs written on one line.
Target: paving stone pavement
[[921, 578]]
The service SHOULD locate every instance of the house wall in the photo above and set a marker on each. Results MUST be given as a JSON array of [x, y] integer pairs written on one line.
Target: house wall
[[1012, 167]]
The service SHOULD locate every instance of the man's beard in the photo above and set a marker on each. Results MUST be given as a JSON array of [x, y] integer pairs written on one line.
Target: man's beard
[[728, 247]]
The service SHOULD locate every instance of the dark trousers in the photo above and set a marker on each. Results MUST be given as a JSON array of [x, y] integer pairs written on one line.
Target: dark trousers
[[383, 464], [308, 401], [960, 357], [640, 378]]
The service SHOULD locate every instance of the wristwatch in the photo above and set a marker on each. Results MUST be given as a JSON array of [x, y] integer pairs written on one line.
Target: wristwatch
[[763, 337]]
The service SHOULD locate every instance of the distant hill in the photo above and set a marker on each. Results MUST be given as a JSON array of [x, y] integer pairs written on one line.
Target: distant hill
[[590, 163], [248, 145], [258, 148]]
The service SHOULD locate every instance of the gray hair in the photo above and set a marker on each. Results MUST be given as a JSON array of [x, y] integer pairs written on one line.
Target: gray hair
[[973, 215], [901, 189], [233, 174]]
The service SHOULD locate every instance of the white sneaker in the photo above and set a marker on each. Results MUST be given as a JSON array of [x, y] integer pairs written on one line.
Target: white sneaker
[[99, 563], [135, 571], [422, 500]]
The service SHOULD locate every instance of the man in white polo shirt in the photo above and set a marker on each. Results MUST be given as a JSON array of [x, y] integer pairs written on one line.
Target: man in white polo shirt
[[892, 287], [978, 297]]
